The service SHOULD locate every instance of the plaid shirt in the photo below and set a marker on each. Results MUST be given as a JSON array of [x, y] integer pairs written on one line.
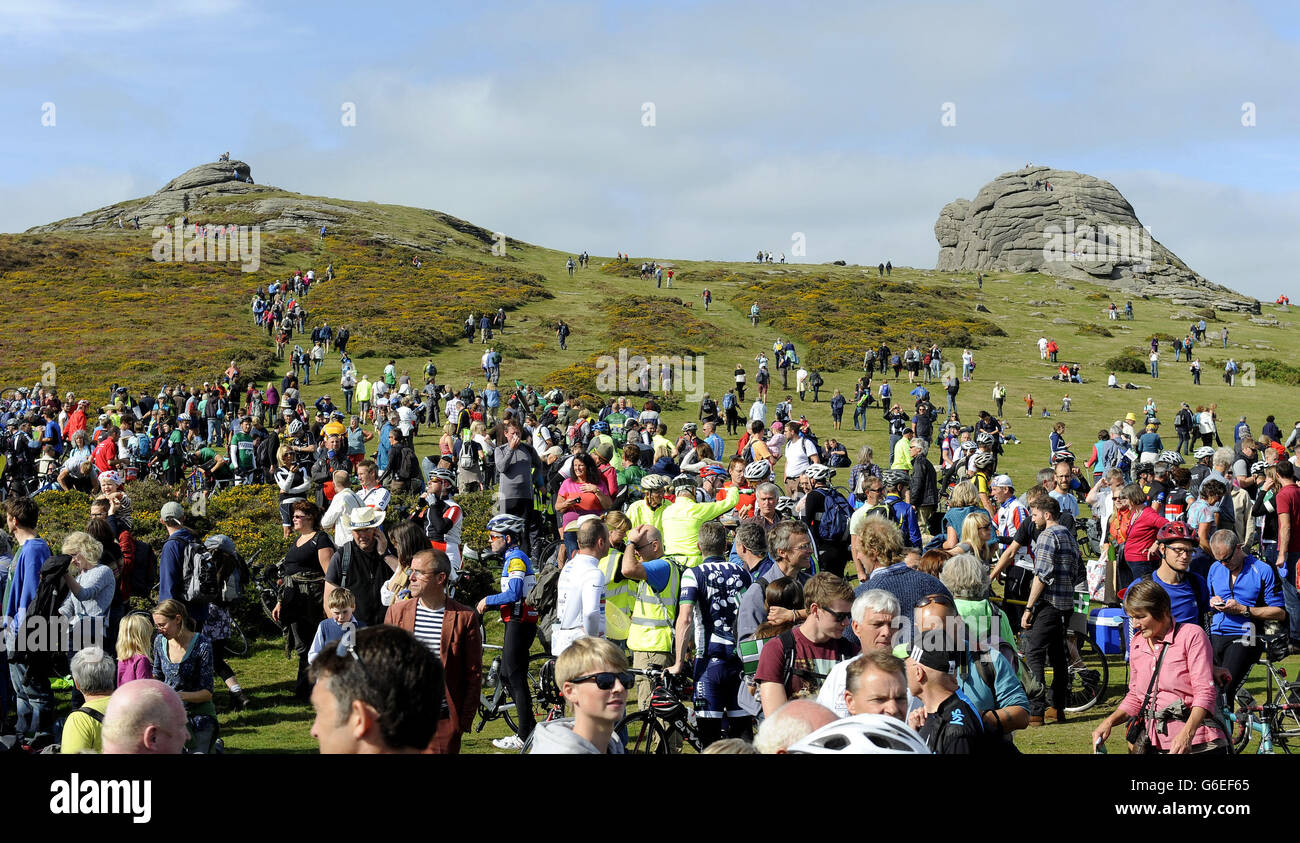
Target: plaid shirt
[[1056, 563]]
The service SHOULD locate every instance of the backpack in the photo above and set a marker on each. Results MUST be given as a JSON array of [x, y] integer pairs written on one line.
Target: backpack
[[200, 572], [231, 570], [42, 616], [141, 446], [834, 523], [467, 461], [544, 596]]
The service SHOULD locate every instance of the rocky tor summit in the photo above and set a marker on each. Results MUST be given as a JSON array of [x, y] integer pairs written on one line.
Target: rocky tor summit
[[1071, 226]]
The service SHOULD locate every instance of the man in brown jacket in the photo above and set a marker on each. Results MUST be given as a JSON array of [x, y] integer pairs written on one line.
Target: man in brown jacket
[[452, 631]]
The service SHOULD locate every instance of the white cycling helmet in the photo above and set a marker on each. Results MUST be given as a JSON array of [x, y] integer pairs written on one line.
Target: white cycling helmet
[[1170, 458], [862, 734], [818, 472], [758, 471], [1203, 452], [785, 505], [506, 524], [983, 459], [654, 483]]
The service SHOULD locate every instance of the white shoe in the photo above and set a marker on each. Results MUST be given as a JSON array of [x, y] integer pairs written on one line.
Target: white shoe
[[511, 742]]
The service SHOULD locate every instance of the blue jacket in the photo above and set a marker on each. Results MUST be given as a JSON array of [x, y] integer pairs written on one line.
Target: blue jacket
[[25, 577], [171, 574]]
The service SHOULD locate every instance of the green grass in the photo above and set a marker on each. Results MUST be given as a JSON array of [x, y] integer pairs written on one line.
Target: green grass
[[199, 318]]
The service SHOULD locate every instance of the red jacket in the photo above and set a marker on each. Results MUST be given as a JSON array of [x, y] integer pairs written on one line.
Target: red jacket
[[462, 655], [1142, 534]]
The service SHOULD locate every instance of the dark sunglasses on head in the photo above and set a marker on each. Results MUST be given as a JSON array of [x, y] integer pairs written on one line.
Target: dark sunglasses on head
[[941, 599], [605, 679]]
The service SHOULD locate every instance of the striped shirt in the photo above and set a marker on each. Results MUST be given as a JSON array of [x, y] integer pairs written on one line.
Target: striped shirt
[[428, 628]]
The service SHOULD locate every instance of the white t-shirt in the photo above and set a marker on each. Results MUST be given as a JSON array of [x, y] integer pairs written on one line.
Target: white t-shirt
[[580, 602], [798, 456]]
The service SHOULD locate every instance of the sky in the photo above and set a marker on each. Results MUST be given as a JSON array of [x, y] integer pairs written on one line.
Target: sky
[[690, 130]]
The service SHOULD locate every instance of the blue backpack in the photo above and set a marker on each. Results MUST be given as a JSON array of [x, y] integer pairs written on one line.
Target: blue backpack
[[141, 446], [833, 526]]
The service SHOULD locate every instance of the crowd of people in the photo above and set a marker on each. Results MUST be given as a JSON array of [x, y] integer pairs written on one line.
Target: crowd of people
[[810, 613]]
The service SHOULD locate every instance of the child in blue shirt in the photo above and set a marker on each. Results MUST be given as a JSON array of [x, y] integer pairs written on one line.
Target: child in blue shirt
[[341, 605]]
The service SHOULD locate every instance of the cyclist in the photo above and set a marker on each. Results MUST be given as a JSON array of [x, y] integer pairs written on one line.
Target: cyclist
[[901, 512], [242, 452], [1244, 593], [520, 619], [650, 509], [981, 466], [820, 504], [709, 602], [683, 517]]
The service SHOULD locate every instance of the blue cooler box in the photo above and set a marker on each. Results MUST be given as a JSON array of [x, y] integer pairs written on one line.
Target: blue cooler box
[[1109, 628]]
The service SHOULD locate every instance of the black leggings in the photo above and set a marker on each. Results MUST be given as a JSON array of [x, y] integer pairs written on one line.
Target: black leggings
[[514, 672], [1236, 658], [219, 666]]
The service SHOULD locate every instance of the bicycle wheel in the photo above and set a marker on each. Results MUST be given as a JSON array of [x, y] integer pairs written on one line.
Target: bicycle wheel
[[1287, 725], [1089, 673], [645, 734], [237, 643]]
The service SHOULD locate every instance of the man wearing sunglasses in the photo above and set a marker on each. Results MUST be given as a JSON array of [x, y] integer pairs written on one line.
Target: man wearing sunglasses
[[796, 663], [452, 632]]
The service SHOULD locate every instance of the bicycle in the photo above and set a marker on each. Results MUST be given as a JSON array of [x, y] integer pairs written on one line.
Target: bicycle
[[1088, 668], [237, 642], [496, 702], [649, 731], [1276, 723]]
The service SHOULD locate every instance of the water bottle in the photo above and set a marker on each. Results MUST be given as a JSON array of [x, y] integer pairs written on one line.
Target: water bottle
[[490, 681], [1099, 747]]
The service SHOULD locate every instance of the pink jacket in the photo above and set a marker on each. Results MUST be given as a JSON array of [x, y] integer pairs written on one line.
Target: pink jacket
[[1186, 674]]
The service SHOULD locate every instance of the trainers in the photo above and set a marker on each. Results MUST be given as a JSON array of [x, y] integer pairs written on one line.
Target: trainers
[[512, 743]]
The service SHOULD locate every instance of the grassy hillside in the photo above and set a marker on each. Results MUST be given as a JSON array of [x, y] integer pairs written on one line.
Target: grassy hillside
[[103, 311]]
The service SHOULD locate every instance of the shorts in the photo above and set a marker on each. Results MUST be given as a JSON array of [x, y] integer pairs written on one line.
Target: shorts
[[286, 512], [716, 687]]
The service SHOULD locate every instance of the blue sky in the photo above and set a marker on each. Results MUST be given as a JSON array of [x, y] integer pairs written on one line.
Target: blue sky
[[770, 118]]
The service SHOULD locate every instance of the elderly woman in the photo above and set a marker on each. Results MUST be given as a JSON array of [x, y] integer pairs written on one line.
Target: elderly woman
[[91, 587], [1171, 683], [79, 465], [182, 659], [94, 675], [968, 580]]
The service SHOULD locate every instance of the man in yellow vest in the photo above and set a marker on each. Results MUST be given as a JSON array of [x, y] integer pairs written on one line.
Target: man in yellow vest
[[654, 614], [620, 592], [650, 509], [682, 519]]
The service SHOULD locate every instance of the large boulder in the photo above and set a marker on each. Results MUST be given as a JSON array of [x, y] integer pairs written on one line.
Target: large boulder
[[175, 199], [1082, 229]]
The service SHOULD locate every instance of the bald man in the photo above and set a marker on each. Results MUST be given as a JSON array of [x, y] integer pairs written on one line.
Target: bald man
[[144, 717], [790, 724]]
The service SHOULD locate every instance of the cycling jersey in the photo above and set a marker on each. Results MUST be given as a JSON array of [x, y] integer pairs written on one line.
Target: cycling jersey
[[516, 580], [442, 522], [745, 504], [681, 525], [1010, 516], [640, 513]]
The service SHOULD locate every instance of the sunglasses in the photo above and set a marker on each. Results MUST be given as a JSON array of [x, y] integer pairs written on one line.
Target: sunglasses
[[941, 599], [840, 617], [605, 679]]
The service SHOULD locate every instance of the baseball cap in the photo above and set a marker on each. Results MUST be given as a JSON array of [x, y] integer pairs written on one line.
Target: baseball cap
[[172, 511], [935, 659], [1003, 480]]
